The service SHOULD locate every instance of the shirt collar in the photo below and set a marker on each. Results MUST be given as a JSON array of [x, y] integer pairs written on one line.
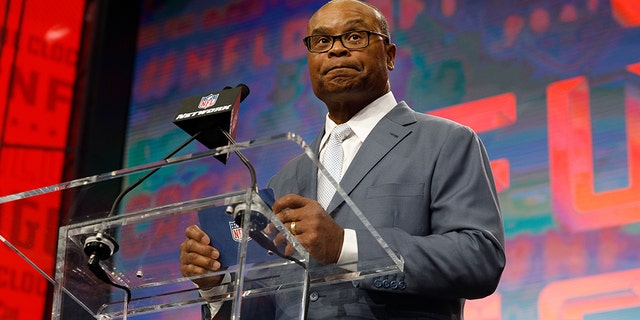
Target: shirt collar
[[363, 122]]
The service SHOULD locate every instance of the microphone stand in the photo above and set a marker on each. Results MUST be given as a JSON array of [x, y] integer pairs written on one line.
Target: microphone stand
[[255, 228], [102, 246]]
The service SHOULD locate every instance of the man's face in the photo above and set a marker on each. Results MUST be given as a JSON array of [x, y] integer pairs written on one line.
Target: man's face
[[351, 74]]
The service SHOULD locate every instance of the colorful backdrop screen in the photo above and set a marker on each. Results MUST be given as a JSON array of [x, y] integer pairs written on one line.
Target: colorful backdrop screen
[[552, 87]]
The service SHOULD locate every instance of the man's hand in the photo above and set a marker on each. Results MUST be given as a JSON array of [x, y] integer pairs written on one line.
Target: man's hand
[[314, 228], [197, 257]]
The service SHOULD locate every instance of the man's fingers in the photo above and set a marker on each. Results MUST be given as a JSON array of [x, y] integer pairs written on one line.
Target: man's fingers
[[198, 258], [289, 250], [192, 246], [195, 233], [289, 201], [199, 263]]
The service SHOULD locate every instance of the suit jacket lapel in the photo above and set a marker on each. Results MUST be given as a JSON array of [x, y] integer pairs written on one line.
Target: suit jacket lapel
[[308, 183], [391, 129]]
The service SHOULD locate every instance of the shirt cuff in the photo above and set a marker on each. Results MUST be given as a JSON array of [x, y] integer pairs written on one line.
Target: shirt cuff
[[349, 251], [215, 306]]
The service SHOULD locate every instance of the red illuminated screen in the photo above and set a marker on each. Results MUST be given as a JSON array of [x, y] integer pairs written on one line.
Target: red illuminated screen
[[38, 56]]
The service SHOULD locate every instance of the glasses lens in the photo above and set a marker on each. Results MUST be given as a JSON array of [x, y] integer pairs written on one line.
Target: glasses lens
[[320, 43], [350, 40], [355, 39]]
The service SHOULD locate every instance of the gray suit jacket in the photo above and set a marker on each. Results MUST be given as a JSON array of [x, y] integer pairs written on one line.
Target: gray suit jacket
[[425, 184]]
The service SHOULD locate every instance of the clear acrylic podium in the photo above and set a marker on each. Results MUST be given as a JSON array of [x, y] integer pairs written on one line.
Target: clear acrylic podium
[[149, 234]]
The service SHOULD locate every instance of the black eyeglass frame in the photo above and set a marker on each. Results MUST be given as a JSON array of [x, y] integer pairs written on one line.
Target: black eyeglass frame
[[307, 39]]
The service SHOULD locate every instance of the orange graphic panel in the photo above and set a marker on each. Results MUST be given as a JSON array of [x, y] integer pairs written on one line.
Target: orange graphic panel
[[575, 203], [576, 298], [626, 12], [488, 308], [485, 115], [501, 174]]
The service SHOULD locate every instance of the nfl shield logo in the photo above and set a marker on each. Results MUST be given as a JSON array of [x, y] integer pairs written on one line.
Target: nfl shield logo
[[208, 101], [236, 232]]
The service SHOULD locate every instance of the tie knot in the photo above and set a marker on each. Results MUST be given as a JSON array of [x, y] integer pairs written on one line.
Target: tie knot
[[341, 132]]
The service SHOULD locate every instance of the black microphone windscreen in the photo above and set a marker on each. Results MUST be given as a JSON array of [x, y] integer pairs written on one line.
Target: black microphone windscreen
[[208, 114]]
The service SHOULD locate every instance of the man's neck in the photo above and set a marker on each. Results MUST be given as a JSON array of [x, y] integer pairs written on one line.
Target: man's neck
[[341, 110]]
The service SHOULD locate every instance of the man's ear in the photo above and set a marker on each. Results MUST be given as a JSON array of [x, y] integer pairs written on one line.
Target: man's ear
[[391, 56]]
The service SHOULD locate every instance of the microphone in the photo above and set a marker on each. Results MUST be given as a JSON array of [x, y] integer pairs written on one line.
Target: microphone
[[210, 119], [212, 114]]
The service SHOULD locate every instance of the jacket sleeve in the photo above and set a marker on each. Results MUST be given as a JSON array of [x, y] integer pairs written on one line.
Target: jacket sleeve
[[461, 254]]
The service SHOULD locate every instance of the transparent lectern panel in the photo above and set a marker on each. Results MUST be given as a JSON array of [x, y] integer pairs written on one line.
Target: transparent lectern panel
[[261, 259], [147, 262]]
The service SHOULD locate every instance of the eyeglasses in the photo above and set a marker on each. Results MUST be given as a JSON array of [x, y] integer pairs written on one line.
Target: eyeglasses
[[358, 39]]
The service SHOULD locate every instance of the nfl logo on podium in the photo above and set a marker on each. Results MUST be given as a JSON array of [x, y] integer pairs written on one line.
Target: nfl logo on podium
[[208, 101], [236, 232]]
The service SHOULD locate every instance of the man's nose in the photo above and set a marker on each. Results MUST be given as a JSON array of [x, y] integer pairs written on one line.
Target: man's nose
[[338, 49]]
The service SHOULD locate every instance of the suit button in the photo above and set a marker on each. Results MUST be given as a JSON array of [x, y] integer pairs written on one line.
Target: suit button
[[314, 296], [377, 283], [386, 283], [394, 284], [401, 285]]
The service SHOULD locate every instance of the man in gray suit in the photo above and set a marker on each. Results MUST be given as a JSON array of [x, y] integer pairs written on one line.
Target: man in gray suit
[[423, 182]]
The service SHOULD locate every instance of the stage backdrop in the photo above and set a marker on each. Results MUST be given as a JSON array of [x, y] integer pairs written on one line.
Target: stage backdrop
[[553, 88], [39, 43]]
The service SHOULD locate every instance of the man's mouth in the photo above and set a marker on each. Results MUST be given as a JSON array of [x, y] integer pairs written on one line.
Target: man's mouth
[[338, 68]]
